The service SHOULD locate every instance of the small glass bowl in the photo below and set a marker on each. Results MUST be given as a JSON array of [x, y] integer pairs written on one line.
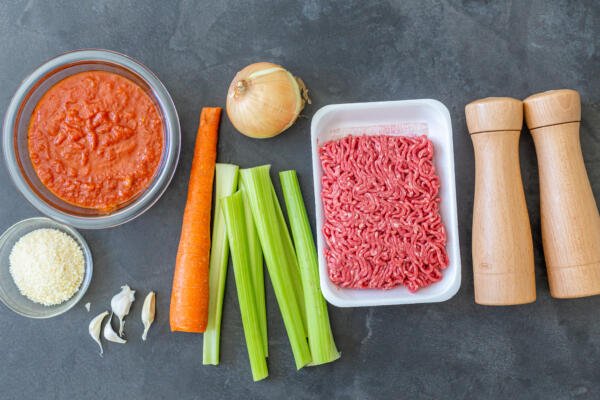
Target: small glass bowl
[[16, 125], [9, 293]]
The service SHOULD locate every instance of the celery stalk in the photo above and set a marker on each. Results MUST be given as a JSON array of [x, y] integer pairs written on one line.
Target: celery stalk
[[294, 270], [320, 338], [235, 221], [226, 180], [256, 268], [279, 256]]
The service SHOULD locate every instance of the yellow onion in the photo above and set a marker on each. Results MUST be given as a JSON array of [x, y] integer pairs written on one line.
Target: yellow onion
[[265, 99]]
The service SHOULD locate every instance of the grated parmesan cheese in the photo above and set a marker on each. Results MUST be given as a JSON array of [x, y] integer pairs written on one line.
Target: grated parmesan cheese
[[47, 266]]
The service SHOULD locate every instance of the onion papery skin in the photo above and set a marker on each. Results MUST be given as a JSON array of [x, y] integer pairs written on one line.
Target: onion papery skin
[[264, 99]]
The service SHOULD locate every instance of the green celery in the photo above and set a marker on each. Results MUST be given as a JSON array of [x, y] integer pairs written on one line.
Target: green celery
[[320, 338], [279, 256], [256, 268], [226, 181], [235, 221], [290, 253]]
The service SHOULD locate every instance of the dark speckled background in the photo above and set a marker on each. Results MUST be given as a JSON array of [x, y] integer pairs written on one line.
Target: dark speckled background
[[346, 51]]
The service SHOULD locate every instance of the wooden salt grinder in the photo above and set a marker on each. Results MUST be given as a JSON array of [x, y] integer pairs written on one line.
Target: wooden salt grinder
[[503, 265], [570, 219]]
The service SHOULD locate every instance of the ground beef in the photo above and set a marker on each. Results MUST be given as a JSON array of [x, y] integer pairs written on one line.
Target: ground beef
[[381, 207]]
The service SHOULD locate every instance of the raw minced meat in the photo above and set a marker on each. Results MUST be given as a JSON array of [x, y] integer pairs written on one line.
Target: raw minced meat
[[381, 206]]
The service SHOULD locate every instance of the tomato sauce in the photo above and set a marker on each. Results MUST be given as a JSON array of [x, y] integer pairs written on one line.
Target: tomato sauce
[[96, 140]]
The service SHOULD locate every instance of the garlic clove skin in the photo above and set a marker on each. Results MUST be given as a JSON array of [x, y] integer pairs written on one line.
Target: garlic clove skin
[[88, 306], [110, 335], [148, 312], [94, 329], [264, 99], [121, 303]]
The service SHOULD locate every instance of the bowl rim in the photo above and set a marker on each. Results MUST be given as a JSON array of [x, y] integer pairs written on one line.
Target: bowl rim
[[172, 130], [88, 269]]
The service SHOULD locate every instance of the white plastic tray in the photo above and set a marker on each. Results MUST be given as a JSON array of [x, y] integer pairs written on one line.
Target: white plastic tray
[[409, 118]]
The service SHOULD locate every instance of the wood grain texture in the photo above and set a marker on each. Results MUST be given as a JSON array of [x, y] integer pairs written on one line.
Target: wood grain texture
[[494, 114], [569, 214], [552, 107], [503, 264]]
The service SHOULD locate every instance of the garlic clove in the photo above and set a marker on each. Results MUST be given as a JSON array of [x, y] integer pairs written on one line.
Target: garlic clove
[[88, 306], [121, 303], [110, 334], [94, 329], [148, 311]]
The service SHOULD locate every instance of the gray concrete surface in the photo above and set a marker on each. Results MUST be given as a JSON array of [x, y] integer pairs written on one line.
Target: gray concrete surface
[[346, 51]]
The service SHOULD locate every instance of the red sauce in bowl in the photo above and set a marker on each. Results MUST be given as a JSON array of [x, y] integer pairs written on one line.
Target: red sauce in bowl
[[96, 140]]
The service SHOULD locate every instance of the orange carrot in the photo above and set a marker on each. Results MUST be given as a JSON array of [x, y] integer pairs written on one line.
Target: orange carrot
[[189, 298]]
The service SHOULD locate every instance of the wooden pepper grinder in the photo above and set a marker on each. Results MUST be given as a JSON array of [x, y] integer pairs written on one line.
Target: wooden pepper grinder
[[503, 265], [570, 219]]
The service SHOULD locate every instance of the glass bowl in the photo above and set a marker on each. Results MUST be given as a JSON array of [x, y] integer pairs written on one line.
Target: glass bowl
[[15, 132], [9, 293]]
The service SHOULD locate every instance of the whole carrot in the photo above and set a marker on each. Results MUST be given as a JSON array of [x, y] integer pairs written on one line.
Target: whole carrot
[[189, 298]]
